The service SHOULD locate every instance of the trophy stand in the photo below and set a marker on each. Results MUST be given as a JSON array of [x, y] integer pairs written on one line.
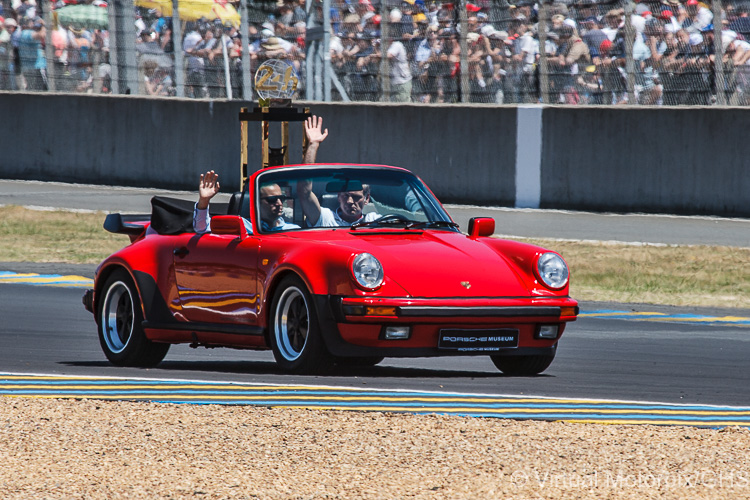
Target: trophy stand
[[276, 83]]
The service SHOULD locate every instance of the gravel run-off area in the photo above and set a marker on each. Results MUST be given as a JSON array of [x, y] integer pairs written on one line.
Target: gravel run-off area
[[104, 449]]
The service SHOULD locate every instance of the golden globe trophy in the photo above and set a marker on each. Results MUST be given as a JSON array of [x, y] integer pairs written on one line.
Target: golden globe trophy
[[276, 84]]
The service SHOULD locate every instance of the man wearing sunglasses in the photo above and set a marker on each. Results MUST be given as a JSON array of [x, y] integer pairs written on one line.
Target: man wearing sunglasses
[[272, 209]]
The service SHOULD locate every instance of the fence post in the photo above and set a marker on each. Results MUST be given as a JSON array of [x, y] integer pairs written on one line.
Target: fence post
[[464, 64], [326, 50], [49, 49], [721, 98], [247, 78], [122, 47], [630, 68], [385, 67], [179, 66], [543, 64]]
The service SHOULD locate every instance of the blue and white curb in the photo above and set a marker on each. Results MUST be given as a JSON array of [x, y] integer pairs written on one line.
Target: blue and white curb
[[352, 399], [45, 280], [668, 318], [72, 281]]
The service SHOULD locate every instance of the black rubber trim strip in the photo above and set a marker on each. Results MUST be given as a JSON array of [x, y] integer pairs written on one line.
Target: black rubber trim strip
[[498, 312], [205, 327]]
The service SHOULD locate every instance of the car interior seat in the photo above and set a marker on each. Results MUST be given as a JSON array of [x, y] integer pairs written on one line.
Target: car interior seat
[[234, 204], [330, 200]]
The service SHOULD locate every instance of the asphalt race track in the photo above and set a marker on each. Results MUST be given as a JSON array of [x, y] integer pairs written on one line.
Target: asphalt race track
[[46, 330], [680, 356]]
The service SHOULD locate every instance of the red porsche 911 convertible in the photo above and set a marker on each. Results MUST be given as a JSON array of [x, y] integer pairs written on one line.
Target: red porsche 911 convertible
[[324, 265]]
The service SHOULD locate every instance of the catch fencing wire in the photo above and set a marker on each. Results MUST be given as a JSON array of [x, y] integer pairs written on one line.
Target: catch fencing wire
[[456, 52]]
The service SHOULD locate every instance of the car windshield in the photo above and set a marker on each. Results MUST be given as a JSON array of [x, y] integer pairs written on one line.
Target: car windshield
[[361, 198]]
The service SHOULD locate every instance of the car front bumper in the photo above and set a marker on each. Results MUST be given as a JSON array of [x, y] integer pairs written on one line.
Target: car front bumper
[[355, 326]]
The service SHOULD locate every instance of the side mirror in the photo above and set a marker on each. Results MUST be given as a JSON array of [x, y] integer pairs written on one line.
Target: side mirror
[[478, 226], [231, 225]]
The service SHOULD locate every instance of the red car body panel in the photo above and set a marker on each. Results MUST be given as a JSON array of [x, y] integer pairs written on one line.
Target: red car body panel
[[216, 289]]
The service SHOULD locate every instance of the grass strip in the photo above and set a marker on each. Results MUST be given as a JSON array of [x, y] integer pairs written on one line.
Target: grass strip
[[656, 274]]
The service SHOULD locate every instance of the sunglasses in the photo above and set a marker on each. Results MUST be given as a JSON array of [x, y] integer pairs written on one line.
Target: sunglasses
[[272, 200]]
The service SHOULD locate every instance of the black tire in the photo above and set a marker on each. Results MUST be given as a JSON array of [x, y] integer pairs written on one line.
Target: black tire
[[523, 365], [119, 318], [297, 344], [361, 361]]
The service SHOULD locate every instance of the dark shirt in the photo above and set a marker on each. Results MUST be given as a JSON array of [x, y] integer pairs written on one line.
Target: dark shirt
[[594, 39]]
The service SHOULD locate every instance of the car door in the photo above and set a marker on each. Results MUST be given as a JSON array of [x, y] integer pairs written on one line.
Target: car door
[[215, 276]]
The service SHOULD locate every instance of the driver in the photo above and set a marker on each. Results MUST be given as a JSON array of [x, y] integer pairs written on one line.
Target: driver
[[272, 208]]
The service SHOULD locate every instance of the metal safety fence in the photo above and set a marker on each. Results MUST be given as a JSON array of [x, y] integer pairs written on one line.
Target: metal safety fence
[[596, 52]]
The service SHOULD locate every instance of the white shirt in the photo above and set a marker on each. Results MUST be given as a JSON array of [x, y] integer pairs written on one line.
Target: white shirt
[[529, 46], [400, 72], [202, 221], [329, 218]]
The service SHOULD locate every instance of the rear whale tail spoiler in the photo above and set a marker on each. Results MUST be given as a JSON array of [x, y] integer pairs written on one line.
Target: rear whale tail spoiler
[[132, 225]]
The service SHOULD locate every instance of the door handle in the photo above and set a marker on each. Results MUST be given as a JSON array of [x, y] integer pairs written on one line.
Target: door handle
[[181, 252]]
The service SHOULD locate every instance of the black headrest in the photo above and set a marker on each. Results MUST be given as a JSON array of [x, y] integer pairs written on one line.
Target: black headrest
[[234, 204]]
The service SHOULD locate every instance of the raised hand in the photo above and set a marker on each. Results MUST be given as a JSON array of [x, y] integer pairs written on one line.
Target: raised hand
[[207, 188], [314, 129]]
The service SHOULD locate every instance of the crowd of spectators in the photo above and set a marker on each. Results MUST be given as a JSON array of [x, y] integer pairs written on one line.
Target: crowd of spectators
[[672, 51]]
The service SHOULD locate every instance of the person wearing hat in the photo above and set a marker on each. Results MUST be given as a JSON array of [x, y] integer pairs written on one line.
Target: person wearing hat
[[401, 77], [214, 59], [592, 35], [498, 60], [195, 83], [573, 52], [698, 16], [7, 53], [590, 83], [426, 57], [613, 21], [524, 49]]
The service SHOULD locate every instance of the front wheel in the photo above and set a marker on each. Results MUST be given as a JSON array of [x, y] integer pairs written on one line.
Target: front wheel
[[296, 340], [119, 322], [523, 365]]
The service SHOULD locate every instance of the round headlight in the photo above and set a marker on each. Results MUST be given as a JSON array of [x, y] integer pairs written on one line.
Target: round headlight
[[552, 270], [367, 271]]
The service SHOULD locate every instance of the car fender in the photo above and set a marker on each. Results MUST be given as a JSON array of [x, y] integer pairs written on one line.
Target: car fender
[[325, 270], [522, 259], [141, 261]]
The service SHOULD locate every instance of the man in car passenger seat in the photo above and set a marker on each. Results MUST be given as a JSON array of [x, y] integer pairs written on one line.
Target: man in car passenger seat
[[351, 203], [271, 197], [348, 212]]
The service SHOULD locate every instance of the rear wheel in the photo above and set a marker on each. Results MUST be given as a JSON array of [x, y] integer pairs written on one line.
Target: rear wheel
[[119, 322], [523, 365], [296, 340]]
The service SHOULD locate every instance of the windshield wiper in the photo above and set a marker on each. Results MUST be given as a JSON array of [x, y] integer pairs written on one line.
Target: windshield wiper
[[400, 220], [386, 220], [430, 224]]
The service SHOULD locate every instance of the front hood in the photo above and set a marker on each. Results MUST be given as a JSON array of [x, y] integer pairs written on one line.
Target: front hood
[[441, 264]]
